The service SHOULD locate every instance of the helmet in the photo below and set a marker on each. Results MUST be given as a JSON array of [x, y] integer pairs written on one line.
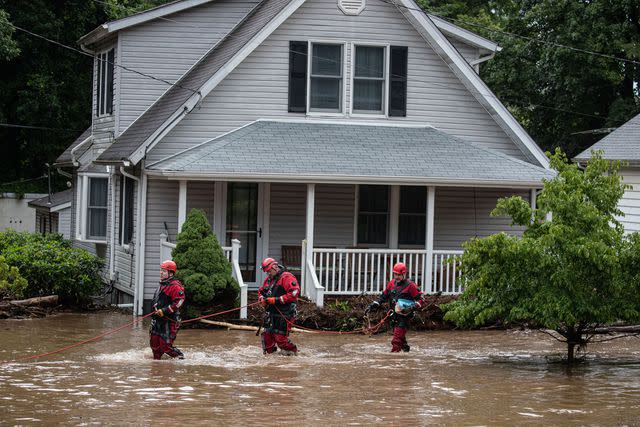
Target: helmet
[[169, 266], [400, 268], [268, 263]]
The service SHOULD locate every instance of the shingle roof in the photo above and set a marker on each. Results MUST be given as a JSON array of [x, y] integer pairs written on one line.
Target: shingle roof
[[57, 199], [621, 144], [65, 157], [141, 129], [267, 149]]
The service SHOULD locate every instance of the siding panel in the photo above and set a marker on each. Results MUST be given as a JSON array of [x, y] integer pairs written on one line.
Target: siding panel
[[629, 204]]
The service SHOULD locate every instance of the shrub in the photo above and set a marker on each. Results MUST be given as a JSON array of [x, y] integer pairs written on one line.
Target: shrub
[[202, 266], [51, 266], [11, 280]]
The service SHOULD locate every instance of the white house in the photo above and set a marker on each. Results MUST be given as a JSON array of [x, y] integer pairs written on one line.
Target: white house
[[53, 213], [339, 136], [623, 144]]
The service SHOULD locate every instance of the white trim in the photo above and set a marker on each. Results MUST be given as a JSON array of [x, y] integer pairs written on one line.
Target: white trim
[[220, 210], [264, 190], [211, 84], [182, 203], [142, 220], [385, 91], [464, 35], [431, 200], [469, 78], [342, 179], [60, 207], [310, 214], [352, 12], [394, 216], [344, 45]]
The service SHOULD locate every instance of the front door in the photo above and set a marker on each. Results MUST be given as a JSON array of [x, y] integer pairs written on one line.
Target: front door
[[244, 222]]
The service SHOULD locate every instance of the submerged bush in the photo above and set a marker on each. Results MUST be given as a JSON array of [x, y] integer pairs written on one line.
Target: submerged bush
[[10, 279], [51, 266]]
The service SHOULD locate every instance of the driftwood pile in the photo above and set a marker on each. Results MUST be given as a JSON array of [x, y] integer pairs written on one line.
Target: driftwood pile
[[26, 308]]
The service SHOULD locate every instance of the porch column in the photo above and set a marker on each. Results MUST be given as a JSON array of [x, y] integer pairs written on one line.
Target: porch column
[[182, 204], [311, 196], [394, 215], [533, 198], [431, 199]]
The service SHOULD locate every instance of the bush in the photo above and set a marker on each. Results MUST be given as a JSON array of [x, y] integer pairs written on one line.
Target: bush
[[10, 279], [51, 266], [202, 266]]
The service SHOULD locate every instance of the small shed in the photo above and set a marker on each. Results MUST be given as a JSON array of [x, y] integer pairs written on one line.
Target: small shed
[[53, 213]]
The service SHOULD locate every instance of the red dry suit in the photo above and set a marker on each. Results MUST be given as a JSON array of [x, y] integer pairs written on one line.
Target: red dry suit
[[169, 297], [395, 290], [279, 316]]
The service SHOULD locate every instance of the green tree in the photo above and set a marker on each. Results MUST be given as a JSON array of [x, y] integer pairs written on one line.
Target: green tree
[[202, 265], [572, 273], [554, 91]]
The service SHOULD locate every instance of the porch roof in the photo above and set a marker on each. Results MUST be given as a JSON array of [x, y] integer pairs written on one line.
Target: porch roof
[[305, 151]]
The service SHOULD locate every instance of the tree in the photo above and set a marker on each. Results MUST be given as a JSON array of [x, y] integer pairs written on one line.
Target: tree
[[555, 91], [571, 274], [202, 266]]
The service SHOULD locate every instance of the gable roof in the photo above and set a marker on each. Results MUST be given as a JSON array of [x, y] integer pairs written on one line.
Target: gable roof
[[621, 144], [199, 81], [173, 106], [60, 200], [349, 153], [66, 158]]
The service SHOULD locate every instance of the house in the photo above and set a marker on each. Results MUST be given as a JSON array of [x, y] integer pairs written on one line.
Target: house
[[623, 144], [343, 134], [53, 213], [15, 213]]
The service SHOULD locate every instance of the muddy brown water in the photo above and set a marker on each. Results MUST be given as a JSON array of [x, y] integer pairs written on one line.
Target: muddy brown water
[[497, 378]]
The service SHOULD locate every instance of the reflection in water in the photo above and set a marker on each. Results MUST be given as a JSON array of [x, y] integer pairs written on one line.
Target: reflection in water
[[454, 378]]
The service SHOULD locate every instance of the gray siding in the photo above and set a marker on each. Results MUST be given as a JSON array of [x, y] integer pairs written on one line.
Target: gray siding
[[258, 87], [162, 208], [463, 213], [200, 196], [64, 222], [125, 262], [334, 219], [629, 204], [288, 217], [468, 52], [167, 48], [46, 222]]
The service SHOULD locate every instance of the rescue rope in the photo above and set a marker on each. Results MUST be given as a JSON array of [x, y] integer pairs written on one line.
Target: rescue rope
[[112, 331], [364, 330]]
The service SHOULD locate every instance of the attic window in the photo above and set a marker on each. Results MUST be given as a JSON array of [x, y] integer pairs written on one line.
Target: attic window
[[351, 7]]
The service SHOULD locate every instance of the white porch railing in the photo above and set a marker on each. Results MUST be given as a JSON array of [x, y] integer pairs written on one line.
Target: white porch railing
[[357, 271], [231, 252]]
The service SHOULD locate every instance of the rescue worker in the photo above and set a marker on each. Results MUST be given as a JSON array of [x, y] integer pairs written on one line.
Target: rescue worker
[[278, 294], [404, 298], [165, 321]]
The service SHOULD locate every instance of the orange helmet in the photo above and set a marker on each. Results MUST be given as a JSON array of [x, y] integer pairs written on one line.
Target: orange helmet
[[400, 268], [169, 266], [268, 263]]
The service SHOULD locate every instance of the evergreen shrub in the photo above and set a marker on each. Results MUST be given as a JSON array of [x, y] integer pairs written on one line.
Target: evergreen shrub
[[202, 266]]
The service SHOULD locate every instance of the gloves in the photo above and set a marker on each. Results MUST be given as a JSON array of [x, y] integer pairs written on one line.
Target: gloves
[[271, 300], [159, 313], [262, 301], [372, 307]]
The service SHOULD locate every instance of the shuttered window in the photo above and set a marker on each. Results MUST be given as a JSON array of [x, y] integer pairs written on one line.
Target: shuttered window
[[398, 82], [369, 80], [326, 78], [298, 77], [104, 82]]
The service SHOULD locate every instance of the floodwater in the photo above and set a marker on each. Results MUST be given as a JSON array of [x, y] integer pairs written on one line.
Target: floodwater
[[492, 378]]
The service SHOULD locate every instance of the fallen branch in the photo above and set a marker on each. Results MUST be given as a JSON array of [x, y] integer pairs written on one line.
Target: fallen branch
[[37, 301], [244, 327]]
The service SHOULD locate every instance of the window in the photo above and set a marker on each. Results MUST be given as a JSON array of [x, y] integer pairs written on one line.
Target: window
[[97, 209], [373, 208], [325, 85], [126, 210], [104, 81], [369, 80], [413, 216]]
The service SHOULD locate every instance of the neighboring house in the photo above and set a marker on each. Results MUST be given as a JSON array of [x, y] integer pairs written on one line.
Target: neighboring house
[[623, 144], [53, 213], [15, 213], [339, 135]]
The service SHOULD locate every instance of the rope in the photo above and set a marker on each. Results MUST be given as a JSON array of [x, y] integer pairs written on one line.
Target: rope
[[363, 330], [60, 350], [218, 313]]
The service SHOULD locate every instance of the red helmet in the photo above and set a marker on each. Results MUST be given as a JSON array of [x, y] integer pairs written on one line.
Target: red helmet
[[268, 263], [400, 268], [169, 266]]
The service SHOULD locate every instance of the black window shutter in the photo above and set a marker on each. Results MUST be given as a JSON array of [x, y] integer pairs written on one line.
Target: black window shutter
[[110, 59], [398, 82], [297, 77]]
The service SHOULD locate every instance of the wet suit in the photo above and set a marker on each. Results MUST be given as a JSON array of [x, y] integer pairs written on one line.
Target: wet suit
[[395, 290], [279, 316], [169, 297]]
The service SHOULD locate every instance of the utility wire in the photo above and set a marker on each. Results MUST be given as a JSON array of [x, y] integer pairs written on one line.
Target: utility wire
[[11, 125]]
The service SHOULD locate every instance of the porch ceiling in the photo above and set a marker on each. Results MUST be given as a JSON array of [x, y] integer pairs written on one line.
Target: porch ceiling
[[338, 152]]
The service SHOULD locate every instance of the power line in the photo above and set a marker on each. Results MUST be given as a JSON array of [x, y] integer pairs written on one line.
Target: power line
[[506, 33], [11, 125]]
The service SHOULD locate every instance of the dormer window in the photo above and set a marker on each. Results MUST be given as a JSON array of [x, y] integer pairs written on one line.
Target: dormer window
[[326, 78], [104, 83], [369, 80]]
